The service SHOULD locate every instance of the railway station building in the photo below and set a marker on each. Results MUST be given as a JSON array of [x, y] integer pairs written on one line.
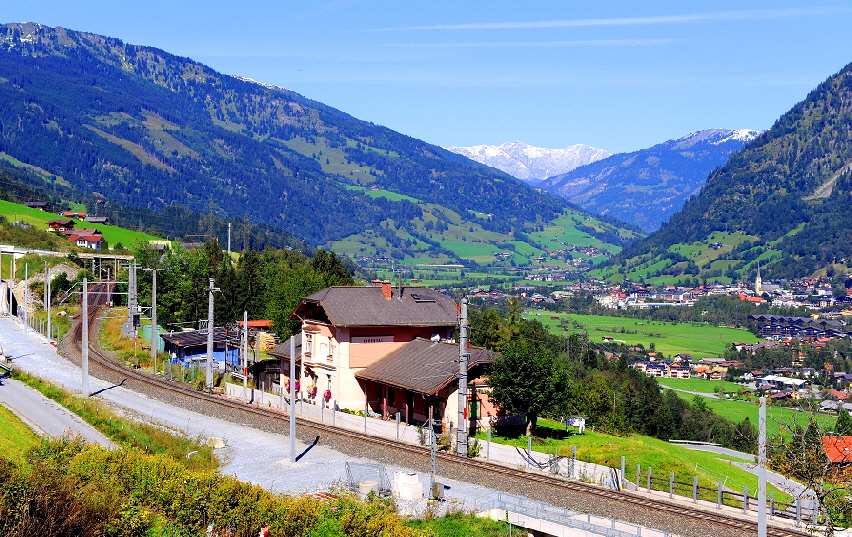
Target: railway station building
[[384, 349]]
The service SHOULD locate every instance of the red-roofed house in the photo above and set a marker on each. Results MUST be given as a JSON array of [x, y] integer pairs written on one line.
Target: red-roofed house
[[838, 449], [837, 395], [87, 241], [60, 225]]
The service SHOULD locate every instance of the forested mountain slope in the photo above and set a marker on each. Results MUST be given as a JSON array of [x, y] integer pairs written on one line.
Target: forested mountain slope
[[144, 128], [646, 187], [783, 201]]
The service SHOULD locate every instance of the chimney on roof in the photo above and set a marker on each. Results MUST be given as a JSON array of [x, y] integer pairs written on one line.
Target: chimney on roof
[[386, 289], [376, 283]]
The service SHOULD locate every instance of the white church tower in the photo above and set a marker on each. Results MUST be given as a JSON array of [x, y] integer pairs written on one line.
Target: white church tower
[[758, 283]]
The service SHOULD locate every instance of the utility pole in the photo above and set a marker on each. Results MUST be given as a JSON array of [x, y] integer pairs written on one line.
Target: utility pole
[[47, 297], [155, 342], [26, 298], [132, 301], [245, 356], [433, 456], [209, 376], [461, 429], [84, 362], [229, 239], [761, 470], [293, 398], [11, 285]]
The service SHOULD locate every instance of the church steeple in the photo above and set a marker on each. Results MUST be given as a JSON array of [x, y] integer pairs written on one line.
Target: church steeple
[[758, 283]]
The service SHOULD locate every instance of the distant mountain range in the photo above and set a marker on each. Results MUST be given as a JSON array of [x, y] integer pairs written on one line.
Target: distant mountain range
[[140, 127], [782, 202], [529, 163], [646, 187]]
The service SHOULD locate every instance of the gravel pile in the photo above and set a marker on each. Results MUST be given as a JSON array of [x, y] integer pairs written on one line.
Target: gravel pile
[[257, 448]]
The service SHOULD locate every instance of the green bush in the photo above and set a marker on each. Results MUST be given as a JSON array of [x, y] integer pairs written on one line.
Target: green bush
[[69, 488]]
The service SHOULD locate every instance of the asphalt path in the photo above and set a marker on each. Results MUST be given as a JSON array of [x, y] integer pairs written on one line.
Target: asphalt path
[[789, 486], [45, 416]]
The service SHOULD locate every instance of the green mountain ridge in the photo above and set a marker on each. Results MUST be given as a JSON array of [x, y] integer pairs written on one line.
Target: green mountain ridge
[[147, 129], [781, 202]]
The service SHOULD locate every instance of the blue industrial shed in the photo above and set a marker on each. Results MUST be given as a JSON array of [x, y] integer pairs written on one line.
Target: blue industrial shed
[[184, 347]]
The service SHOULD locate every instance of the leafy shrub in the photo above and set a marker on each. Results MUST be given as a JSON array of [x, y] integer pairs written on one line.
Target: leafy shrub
[[73, 489]]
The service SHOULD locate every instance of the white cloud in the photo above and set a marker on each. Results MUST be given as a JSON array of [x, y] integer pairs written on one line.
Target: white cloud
[[669, 19], [579, 43]]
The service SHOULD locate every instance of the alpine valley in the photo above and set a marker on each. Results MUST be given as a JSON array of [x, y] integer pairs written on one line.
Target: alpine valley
[[643, 188], [139, 127], [646, 187]]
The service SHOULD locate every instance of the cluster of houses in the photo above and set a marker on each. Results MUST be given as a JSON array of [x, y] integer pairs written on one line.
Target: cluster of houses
[[380, 349], [681, 366], [83, 237], [813, 329], [799, 293]]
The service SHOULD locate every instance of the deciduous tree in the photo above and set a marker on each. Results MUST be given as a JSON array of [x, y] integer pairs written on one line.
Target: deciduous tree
[[526, 379]]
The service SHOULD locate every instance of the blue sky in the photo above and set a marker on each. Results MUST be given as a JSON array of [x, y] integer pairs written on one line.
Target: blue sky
[[617, 75]]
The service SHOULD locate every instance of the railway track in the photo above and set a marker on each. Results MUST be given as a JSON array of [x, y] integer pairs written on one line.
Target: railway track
[[559, 487]]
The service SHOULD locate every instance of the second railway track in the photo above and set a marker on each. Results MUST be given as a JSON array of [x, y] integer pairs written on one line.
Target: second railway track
[[575, 495]]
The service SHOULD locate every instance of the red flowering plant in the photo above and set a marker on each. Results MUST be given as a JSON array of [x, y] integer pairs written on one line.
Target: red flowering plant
[[327, 395]]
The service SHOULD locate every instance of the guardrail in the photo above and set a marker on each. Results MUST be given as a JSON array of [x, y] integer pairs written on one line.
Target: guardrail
[[796, 512], [559, 516]]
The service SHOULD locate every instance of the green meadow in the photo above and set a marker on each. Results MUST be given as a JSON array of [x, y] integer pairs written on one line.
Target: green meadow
[[701, 341], [39, 219], [701, 385], [779, 420]]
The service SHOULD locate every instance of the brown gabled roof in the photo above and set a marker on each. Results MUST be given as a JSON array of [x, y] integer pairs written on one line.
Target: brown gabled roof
[[367, 306], [282, 350], [422, 366], [86, 231]]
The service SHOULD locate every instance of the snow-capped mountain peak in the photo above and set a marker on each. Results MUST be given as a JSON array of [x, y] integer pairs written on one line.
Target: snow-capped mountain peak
[[530, 163]]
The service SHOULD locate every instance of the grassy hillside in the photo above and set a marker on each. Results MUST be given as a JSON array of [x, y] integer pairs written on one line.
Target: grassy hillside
[[662, 456], [721, 257], [701, 385], [701, 341], [148, 129], [440, 235], [778, 419], [39, 219]]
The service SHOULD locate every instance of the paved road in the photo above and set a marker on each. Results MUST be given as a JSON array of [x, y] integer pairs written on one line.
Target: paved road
[[789, 486], [703, 394], [45, 416]]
